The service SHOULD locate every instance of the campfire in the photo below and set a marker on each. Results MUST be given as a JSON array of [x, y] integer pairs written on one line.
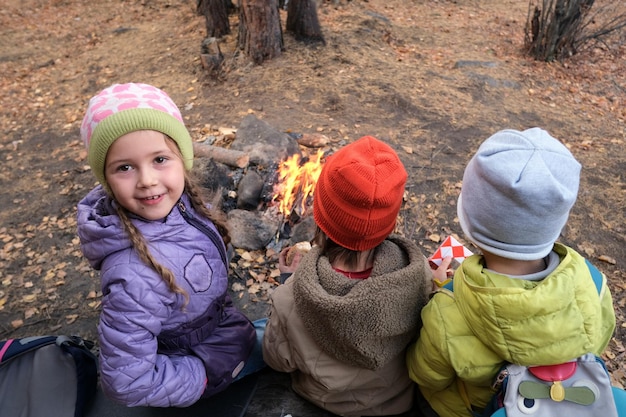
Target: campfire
[[267, 200], [294, 188]]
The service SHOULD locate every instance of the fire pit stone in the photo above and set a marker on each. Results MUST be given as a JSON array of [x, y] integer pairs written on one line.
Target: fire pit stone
[[264, 144]]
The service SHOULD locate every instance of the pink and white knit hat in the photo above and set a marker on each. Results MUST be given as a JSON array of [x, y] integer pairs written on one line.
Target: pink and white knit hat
[[124, 108]]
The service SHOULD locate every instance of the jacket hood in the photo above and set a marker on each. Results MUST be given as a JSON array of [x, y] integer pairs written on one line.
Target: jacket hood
[[364, 322], [503, 312]]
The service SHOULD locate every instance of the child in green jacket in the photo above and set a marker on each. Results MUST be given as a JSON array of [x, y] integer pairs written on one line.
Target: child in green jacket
[[525, 299]]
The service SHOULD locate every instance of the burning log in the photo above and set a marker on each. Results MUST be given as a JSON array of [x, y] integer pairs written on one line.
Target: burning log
[[297, 177], [293, 192], [230, 157]]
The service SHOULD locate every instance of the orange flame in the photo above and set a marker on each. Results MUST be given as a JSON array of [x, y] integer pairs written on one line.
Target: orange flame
[[296, 182]]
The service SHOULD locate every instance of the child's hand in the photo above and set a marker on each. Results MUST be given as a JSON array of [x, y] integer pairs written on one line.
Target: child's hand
[[443, 272], [283, 267]]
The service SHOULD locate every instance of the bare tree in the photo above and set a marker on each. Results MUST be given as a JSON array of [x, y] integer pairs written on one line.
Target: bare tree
[[260, 32], [560, 28], [302, 21], [215, 13]]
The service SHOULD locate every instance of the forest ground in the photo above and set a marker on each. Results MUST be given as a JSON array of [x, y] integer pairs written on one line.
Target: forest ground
[[432, 78]]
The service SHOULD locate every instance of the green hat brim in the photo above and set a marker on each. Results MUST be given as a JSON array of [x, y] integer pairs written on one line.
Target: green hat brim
[[132, 120]]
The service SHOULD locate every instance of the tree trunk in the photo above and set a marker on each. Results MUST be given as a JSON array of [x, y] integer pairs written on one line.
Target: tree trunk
[[230, 7], [302, 21], [260, 33], [215, 13], [555, 29], [211, 56]]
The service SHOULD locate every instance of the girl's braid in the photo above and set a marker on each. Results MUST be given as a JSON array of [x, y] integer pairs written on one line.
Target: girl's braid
[[215, 215], [139, 243]]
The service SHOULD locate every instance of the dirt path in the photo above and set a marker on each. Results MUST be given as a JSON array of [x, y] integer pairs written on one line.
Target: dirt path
[[433, 78]]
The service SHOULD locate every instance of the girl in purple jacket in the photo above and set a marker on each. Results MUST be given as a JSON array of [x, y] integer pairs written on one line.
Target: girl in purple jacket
[[168, 331]]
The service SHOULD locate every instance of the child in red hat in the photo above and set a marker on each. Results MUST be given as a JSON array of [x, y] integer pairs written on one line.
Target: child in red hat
[[341, 323]]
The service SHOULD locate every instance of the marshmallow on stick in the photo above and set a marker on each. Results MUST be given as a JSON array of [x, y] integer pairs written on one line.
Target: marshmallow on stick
[[300, 247]]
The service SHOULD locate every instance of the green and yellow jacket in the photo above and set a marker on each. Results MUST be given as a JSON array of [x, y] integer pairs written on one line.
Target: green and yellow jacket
[[490, 319]]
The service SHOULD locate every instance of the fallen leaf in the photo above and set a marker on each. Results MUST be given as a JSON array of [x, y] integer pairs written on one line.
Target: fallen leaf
[[434, 237], [607, 259], [29, 313], [29, 298], [587, 248]]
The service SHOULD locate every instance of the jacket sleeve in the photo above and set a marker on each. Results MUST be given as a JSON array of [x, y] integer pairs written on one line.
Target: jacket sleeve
[[132, 372], [428, 358], [277, 351], [608, 318]]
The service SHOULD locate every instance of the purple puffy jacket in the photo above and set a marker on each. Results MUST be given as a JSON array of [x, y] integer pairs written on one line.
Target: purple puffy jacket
[[153, 351]]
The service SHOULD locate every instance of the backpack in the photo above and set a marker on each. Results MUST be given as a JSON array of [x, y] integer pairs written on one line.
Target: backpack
[[47, 375], [579, 388]]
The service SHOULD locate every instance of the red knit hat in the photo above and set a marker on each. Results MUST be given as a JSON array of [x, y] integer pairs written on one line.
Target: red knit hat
[[359, 193]]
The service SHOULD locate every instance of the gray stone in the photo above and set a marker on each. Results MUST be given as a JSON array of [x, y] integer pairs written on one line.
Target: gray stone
[[484, 64], [304, 230], [264, 144], [249, 191], [251, 230]]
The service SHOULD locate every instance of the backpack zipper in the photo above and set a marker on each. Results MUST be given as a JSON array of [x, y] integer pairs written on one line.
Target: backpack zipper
[[500, 378]]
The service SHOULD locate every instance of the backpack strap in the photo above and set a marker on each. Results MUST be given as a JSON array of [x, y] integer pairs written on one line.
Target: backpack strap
[[13, 348], [596, 275], [5, 346], [465, 397]]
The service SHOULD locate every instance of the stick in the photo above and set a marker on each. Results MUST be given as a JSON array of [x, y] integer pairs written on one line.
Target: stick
[[229, 157]]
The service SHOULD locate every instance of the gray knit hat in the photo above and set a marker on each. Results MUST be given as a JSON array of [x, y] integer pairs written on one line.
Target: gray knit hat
[[517, 192]]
